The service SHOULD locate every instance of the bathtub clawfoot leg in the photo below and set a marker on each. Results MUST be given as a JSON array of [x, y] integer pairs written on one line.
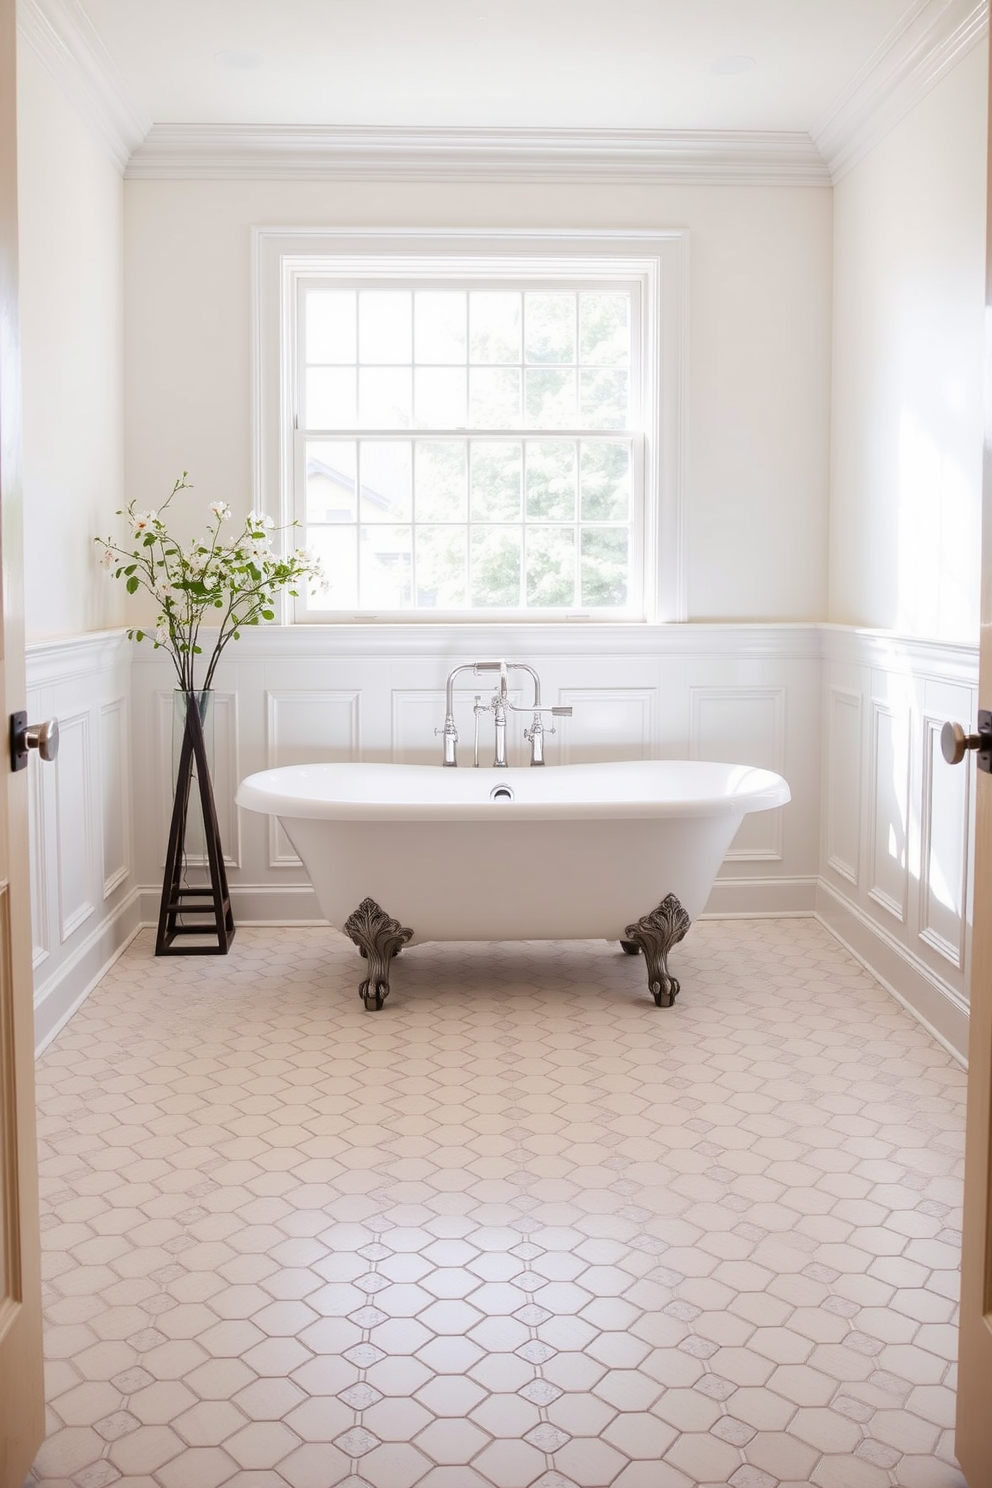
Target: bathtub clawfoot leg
[[655, 935], [379, 938]]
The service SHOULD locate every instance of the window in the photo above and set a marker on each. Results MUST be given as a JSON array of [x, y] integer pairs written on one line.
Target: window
[[470, 435]]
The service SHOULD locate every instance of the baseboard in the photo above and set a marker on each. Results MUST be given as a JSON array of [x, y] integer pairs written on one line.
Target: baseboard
[[69, 985], [940, 1008], [760, 898], [254, 904], [296, 904]]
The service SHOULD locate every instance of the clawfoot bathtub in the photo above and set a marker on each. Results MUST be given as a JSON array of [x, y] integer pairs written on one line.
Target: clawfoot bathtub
[[406, 853]]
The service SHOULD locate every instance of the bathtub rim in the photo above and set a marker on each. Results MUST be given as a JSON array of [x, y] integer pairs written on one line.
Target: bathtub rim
[[755, 789]]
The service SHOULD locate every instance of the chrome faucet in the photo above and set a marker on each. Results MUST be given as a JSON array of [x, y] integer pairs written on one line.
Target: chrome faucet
[[449, 732], [499, 706]]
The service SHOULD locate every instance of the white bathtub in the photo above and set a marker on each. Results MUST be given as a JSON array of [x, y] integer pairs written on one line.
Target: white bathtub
[[577, 853]]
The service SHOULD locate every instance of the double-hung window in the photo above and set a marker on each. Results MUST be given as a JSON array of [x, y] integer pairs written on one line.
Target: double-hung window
[[473, 435]]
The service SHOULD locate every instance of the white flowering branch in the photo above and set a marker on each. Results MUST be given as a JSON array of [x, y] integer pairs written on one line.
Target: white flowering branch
[[239, 578]]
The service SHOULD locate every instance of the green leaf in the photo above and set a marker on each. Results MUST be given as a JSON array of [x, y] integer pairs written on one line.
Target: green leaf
[[139, 635], [268, 614], [132, 585]]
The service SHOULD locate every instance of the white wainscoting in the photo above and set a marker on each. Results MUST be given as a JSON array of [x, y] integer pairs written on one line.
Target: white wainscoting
[[897, 847], [750, 693], [85, 904], [877, 842]]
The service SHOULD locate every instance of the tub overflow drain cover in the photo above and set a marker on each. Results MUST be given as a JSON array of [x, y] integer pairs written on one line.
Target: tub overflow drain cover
[[501, 793]]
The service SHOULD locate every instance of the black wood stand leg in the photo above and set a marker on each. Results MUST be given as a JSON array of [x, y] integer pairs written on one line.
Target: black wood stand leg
[[655, 935], [202, 912], [379, 938]]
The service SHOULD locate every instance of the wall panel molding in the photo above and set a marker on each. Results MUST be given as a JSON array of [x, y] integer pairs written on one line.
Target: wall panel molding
[[74, 815], [606, 723], [843, 784], [888, 810], [303, 727], [751, 722], [115, 795]]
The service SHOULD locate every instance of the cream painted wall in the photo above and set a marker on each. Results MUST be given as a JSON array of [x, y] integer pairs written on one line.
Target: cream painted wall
[[71, 327], [908, 370], [756, 462]]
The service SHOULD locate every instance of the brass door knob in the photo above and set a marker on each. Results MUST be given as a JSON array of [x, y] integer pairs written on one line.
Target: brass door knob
[[955, 743]]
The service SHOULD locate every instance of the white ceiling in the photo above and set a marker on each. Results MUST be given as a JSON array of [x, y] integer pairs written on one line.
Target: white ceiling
[[563, 64]]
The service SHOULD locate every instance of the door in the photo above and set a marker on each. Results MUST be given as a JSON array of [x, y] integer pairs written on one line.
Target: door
[[21, 1380], [974, 1422]]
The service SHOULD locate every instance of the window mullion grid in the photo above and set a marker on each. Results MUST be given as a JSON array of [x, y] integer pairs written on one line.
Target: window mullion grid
[[470, 434], [526, 437]]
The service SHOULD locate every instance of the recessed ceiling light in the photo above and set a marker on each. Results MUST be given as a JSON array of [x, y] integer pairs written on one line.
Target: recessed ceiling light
[[733, 64], [241, 61]]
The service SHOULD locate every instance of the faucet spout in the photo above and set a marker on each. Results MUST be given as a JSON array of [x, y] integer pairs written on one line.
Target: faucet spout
[[449, 732]]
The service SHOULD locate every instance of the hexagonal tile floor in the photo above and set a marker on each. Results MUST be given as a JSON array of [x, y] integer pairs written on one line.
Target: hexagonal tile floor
[[519, 1228]]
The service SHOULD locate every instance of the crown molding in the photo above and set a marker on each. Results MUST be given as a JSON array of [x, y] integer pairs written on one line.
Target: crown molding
[[65, 40], [930, 39], [709, 158]]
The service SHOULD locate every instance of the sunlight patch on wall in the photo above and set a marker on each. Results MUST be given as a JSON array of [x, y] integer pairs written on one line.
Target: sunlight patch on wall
[[938, 523]]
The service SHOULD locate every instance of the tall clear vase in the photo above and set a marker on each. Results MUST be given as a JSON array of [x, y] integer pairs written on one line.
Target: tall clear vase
[[194, 839]]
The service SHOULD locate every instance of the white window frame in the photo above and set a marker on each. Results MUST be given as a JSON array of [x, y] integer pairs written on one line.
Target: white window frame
[[657, 262]]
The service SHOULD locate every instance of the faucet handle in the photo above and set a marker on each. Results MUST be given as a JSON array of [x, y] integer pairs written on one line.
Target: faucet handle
[[537, 727], [561, 712]]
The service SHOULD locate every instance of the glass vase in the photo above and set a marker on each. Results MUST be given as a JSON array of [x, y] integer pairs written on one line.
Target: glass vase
[[202, 701]]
